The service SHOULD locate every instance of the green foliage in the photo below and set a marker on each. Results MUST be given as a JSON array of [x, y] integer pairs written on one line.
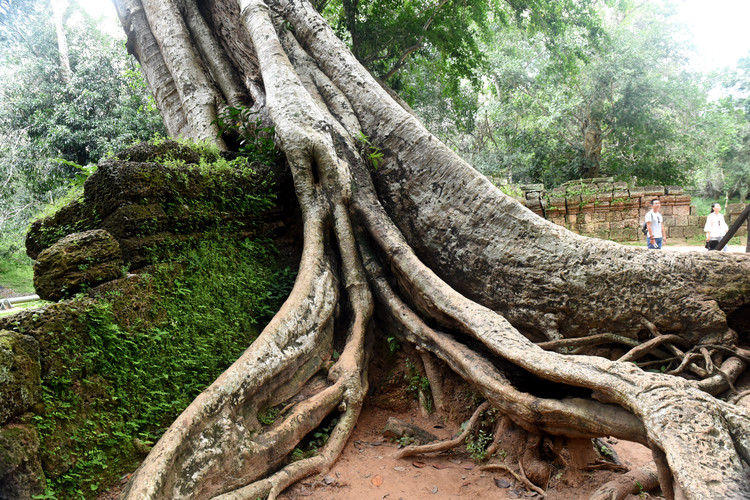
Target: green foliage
[[83, 172], [246, 128], [418, 385], [479, 440], [392, 37], [385, 33], [476, 445], [561, 71], [703, 204], [512, 190], [50, 126], [405, 440], [268, 416], [393, 344], [731, 174], [611, 111], [368, 150], [15, 271], [310, 445], [136, 366]]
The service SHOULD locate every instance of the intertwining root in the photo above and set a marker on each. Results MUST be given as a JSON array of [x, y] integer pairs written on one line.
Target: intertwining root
[[355, 258]]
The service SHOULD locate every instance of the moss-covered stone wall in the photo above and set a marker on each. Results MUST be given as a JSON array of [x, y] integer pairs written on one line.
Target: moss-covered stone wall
[[199, 249]]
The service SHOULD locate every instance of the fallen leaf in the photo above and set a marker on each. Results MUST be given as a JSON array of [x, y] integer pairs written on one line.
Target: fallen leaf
[[502, 483], [441, 466], [419, 464], [376, 481]]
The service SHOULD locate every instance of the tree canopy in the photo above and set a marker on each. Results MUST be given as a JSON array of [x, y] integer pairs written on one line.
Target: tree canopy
[[624, 103], [52, 124]]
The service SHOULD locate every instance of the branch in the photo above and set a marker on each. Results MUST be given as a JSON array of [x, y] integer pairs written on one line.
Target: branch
[[418, 44]]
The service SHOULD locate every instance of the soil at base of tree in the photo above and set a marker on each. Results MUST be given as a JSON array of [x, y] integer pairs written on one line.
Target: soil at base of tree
[[367, 470]]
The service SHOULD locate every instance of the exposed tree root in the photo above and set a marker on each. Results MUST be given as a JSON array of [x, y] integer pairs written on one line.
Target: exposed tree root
[[571, 417], [502, 426], [355, 255], [520, 477], [592, 341], [646, 347], [610, 453], [410, 451], [631, 483], [433, 375]]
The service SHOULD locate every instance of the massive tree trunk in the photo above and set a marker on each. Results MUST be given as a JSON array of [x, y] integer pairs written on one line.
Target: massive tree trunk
[[451, 265]]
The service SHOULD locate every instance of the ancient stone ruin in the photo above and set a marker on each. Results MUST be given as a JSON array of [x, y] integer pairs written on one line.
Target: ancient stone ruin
[[610, 210]]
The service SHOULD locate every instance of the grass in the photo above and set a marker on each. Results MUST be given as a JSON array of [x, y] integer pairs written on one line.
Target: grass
[[16, 275], [21, 307]]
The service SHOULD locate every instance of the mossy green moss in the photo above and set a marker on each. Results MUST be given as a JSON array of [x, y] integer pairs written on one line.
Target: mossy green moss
[[144, 349], [735, 293], [120, 364]]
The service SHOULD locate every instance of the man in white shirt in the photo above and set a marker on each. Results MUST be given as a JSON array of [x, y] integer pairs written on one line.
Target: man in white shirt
[[715, 228], [655, 225]]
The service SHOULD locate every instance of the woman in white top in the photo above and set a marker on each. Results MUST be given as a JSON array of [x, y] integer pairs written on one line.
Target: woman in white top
[[715, 228]]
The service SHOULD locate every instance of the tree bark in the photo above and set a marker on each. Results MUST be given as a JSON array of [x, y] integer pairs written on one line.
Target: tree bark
[[459, 269], [62, 40]]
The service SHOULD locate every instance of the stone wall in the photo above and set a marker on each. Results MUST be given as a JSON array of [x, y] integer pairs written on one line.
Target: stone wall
[[615, 211]]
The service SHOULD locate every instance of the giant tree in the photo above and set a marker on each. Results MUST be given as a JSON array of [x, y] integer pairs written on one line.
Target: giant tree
[[421, 245]]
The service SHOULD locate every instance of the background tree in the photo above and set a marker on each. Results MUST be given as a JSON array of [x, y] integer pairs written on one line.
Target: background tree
[[453, 266], [731, 173], [52, 122], [626, 105]]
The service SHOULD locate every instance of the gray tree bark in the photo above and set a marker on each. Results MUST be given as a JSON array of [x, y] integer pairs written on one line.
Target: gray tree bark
[[451, 261], [62, 40]]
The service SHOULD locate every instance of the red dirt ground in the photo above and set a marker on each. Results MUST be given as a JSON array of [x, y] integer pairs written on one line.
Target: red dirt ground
[[367, 470]]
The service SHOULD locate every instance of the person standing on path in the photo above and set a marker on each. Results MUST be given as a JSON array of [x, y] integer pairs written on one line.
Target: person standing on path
[[655, 225], [715, 228]]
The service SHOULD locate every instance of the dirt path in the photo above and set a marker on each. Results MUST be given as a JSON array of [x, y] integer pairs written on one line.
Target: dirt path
[[7, 293], [367, 470], [685, 248]]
